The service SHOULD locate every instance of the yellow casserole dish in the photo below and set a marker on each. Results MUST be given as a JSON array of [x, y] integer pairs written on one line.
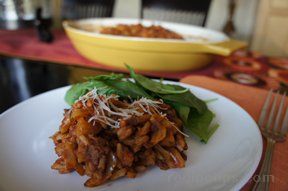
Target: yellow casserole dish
[[195, 51]]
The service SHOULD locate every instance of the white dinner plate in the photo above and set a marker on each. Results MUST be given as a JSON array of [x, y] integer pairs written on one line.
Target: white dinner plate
[[226, 162]]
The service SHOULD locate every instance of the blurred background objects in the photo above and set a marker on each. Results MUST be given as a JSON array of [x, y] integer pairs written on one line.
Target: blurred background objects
[[16, 14], [76, 9], [178, 11], [242, 19]]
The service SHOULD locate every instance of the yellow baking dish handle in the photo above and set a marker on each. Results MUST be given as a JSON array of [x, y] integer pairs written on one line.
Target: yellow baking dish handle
[[224, 48]]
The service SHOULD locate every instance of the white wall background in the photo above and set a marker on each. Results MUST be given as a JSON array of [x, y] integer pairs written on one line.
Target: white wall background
[[127, 8], [244, 18]]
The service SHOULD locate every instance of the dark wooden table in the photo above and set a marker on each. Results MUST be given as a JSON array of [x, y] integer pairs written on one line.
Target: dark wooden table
[[20, 79]]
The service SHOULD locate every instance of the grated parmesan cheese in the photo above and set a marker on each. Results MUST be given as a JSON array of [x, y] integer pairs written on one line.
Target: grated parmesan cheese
[[104, 108]]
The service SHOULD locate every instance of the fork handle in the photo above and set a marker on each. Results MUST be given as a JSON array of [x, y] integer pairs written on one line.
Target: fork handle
[[263, 179]]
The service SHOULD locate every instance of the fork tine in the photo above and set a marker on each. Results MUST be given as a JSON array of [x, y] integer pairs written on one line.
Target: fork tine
[[285, 122], [272, 113], [264, 109], [280, 111]]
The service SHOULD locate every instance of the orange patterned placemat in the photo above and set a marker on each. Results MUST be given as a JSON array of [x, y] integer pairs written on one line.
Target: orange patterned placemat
[[251, 99]]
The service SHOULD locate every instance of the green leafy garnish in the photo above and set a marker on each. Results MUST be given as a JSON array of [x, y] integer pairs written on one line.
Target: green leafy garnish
[[153, 86], [106, 77], [194, 113], [200, 124], [123, 88], [76, 91], [187, 99], [129, 88], [182, 110]]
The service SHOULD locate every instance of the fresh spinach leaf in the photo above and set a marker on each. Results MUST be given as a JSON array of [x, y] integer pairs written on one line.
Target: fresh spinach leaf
[[121, 88], [128, 89], [76, 91], [200, 124], [154, 86], [105, 77], [187, 99], [106, 89], [197, 124], [81, 89], [182, 110]]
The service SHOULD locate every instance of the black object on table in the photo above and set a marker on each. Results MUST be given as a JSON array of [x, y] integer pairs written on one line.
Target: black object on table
[[43, 27]]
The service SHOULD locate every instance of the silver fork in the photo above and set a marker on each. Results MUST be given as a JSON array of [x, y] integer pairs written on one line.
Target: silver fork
[[274, 131]]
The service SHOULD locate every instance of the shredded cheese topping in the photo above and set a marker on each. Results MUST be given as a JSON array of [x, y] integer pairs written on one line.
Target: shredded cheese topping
[[104, 108]]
